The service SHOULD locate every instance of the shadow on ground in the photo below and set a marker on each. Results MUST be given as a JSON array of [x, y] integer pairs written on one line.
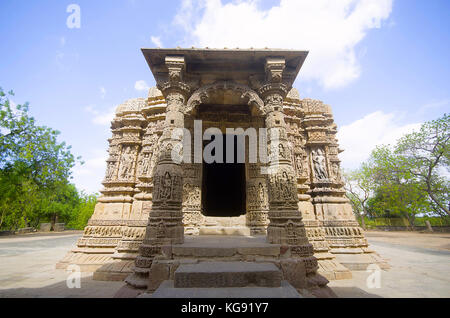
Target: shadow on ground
[[88, 289]]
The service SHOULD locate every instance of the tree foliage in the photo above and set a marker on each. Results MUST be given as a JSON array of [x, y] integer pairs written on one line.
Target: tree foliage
[[407, 179], [426, 156], [35, 171]]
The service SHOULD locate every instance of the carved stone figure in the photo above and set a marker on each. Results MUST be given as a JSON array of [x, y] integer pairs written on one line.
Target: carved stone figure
[[127, 164], [319, 162], [145, 164], [336, 172], [110, 170]]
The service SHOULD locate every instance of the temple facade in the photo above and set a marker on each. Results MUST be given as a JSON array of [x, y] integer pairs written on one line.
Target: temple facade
[[293, 196]]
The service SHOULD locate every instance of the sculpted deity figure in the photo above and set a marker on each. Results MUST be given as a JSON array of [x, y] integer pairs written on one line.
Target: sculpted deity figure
[[336, 171], [167, 186], [299, 163], [261, 193], [286, 186], [127, 163], [161, 230], [319, 164], [145, 164], [110, 170], [281, 151]]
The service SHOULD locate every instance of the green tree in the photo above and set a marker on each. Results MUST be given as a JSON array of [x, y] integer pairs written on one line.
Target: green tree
[[84, 211], [35, 169], [425, 155], [396, 190], [360, 186]]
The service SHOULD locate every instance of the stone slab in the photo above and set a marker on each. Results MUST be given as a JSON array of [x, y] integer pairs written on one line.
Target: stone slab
[[223, 230], [227, 274], [167, 290], [225, 246]]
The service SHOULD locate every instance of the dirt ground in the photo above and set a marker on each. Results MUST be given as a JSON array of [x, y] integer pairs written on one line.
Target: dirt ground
[[420, 267]]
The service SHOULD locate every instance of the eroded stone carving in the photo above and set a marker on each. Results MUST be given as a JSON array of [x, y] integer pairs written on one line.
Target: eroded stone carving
[[320, 170]]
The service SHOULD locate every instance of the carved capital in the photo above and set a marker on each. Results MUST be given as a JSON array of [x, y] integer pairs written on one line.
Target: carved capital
[[274, 69], [176, 66], [273, 93], [174, 82], [170, 87]]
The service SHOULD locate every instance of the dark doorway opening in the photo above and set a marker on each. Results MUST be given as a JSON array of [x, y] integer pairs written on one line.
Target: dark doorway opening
[[223, 187]]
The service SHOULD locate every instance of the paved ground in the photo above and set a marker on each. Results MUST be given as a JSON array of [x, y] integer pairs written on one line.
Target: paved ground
[[27, 268], [420, 267]]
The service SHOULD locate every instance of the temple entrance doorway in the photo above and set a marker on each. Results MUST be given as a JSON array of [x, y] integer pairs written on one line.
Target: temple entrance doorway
[[223, 186]]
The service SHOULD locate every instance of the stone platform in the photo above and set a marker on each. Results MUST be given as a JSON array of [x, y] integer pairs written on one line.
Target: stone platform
[[216, 247], [224, 226], [167, 290], [227, 274], [238, 266]]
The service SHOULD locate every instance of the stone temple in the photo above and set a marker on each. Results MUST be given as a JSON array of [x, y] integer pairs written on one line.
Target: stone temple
[[166, 225]]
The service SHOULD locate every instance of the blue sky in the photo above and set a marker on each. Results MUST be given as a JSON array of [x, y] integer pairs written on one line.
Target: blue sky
[[382, 65]]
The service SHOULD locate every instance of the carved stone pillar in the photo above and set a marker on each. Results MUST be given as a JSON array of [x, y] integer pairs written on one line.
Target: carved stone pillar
[[165, 223], [192, 198], [286, 226], [257, 199]]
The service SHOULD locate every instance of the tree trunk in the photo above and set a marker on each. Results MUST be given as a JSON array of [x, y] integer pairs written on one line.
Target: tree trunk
[[411, 221], [363, 222], [53, 221], [1, 220]]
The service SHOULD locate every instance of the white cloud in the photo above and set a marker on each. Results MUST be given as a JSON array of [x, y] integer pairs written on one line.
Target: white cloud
[[102, 92], [433, 105], [101, 117], [156, 40], [330, 30], [141, 86], [360, 137], [88, 177]]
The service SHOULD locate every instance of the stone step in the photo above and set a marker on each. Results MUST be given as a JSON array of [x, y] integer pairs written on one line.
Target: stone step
[[227, 274], [224, 230], [225, 221], [167, 290], [237, 247]]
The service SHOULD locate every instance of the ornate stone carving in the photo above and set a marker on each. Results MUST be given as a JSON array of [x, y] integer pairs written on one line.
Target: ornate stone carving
[[319, 162], [127, 163], [202, 95]]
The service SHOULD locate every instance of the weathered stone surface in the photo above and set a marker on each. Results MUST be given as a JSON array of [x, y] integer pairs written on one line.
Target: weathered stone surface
[[294, 272], [222, 230], [159, 272], [45, 227], [227, 274], [59, 227], [167, 290]]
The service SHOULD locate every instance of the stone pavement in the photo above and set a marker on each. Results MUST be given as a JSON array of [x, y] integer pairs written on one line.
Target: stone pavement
[[420, 267], [27, 268]]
